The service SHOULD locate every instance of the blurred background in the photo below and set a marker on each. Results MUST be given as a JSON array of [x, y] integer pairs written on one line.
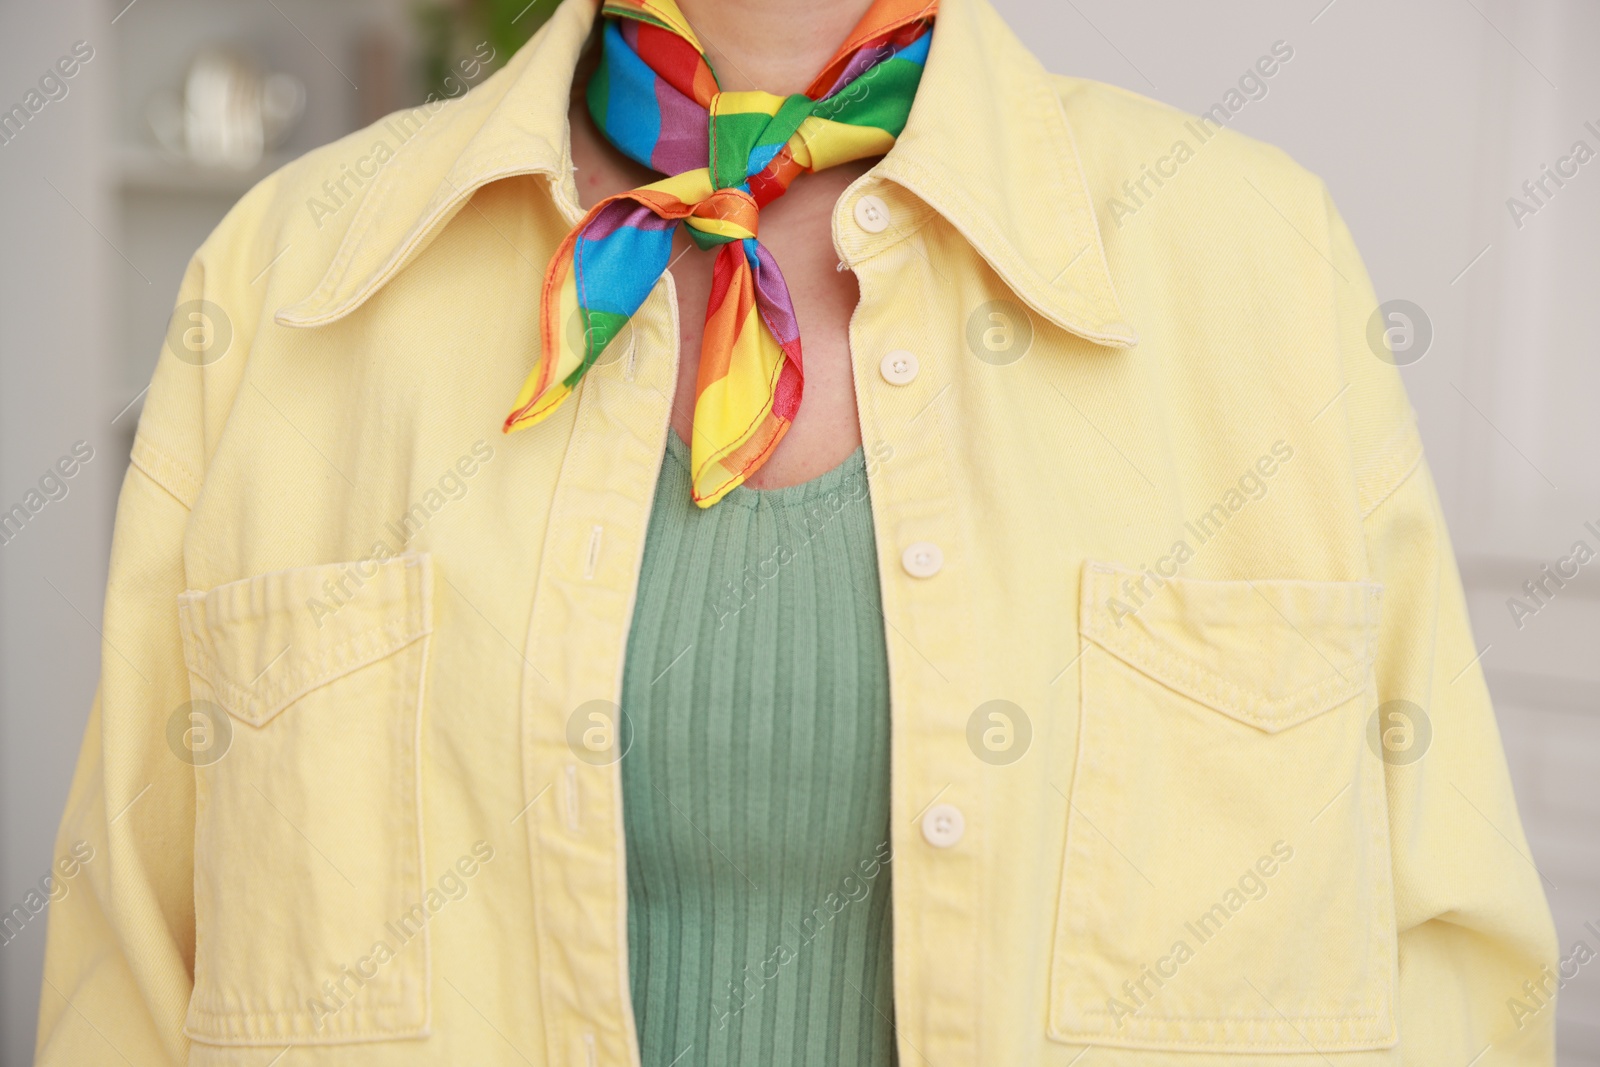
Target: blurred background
[[1437, 124]]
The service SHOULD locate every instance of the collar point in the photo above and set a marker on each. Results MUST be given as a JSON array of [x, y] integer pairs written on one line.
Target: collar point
[[296, 316], [1119, 334]]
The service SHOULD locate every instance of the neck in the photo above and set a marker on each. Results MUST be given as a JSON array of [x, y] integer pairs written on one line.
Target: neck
[[777, 46]]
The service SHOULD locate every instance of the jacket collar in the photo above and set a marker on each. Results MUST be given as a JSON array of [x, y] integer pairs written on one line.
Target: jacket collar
[[1000, 165]]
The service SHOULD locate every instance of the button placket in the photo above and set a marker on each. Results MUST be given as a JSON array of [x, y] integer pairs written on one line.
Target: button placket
[[943, 825], [899, 367], [872, 214], [922, 559], [591, 555], [928, 618]]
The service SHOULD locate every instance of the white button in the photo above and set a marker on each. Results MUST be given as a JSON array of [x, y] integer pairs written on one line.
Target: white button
[[872, 214], [943, 825], [899, 367], [922, 559]]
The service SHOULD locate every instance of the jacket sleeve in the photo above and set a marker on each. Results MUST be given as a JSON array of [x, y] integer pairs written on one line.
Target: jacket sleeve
[[1473, 925], [120, 951]]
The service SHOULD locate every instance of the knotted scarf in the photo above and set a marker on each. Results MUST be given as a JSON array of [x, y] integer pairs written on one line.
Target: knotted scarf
[[656, 98]]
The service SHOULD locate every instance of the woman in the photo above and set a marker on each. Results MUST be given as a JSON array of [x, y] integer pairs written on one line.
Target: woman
[[1059, 652]]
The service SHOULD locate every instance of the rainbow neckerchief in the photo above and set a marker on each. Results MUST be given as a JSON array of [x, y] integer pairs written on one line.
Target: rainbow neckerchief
[[655, 97]]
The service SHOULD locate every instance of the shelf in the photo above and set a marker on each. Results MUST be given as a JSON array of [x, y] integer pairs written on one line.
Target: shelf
[[152, 170]]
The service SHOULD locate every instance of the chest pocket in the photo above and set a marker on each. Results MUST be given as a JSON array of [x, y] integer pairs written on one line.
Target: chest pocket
[[1226, 885], [308, 848]]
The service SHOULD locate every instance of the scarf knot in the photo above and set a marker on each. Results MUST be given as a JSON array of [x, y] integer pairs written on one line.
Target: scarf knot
[[729, 214], [655, 97]]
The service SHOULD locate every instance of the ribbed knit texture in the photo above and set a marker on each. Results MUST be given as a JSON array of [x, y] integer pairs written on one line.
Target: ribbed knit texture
[[756, 787]]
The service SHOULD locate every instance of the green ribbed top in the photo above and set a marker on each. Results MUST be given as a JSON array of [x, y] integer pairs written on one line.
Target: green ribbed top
[[756, 787]]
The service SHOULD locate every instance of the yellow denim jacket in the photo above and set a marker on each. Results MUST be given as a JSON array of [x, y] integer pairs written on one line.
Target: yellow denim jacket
[[1192, 763]]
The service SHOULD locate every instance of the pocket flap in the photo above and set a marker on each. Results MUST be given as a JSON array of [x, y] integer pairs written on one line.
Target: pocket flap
[[264, 642], [1270, 653]]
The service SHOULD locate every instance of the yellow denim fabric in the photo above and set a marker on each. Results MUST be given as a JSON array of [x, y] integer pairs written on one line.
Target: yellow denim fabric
[[1186, 532]]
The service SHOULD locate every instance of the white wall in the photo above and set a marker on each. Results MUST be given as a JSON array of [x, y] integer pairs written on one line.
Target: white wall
[[56, 277]]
